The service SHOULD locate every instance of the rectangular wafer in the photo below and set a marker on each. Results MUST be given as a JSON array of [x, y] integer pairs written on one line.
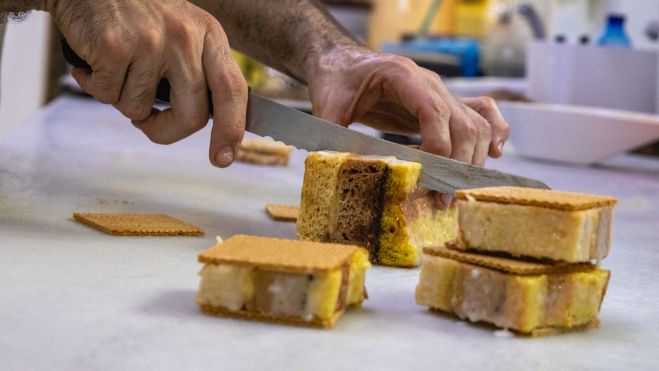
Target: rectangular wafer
[[284, 213], [130, 224]]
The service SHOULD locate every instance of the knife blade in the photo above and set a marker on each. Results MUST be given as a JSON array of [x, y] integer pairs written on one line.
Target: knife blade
[[271, 119], [268, 118]]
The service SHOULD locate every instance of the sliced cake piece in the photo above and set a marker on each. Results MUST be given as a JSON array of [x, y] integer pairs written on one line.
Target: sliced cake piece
[[375, 202], [410, 220], [536, 223], [530, 298], [355, 217], [297, 282], [319, 189]]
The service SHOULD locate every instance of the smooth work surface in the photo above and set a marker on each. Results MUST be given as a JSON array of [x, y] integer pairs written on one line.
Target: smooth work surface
[[74, 298]]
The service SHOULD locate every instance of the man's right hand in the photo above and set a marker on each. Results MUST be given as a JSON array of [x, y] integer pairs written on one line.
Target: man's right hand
[[131, 44]]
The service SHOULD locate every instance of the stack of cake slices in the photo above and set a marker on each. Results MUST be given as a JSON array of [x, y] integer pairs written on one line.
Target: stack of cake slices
[[525, 260], [373, 202]]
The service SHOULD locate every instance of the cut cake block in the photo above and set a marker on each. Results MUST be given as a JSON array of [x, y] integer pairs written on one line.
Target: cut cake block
[[535, 223], [270, 279], [529, 298], [374, 202]]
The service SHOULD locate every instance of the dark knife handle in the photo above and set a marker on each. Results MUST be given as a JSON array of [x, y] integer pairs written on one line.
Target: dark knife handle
[[163, 91]]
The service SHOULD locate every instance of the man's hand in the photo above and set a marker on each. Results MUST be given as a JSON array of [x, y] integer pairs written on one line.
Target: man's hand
[[131, 44], [392, 93]]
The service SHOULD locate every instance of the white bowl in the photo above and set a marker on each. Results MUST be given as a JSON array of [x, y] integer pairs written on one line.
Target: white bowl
[[576, 134]]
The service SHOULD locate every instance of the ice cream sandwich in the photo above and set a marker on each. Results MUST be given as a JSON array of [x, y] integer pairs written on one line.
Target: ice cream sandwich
[[528, 297], [286, 281]]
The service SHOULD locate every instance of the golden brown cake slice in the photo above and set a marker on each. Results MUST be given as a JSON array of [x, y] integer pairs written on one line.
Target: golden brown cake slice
[[530, 298], [297, 282], [536, 223], [321, 172]]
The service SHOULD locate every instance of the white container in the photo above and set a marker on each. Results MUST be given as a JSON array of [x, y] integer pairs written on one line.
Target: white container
[[615, 78], [575, 134]]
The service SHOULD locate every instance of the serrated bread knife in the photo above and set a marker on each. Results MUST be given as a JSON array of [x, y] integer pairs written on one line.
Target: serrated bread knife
[[268, 118]]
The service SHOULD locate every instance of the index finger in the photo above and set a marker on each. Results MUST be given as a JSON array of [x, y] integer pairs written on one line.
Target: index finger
[[229, 95]]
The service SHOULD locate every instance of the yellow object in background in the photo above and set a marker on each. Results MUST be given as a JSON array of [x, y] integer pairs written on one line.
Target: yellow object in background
[[391, 19], [472, 18], [446, 17]]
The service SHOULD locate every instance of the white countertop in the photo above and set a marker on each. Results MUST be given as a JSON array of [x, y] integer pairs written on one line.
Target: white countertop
[[74, 298]]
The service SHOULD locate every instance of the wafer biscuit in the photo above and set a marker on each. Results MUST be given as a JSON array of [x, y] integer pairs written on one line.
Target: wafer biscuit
[[279, 254], [504, 264], [284, 213], [569, 201], [126, 224]]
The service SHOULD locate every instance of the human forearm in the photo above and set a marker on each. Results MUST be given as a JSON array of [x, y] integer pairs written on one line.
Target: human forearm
[[289, 35]]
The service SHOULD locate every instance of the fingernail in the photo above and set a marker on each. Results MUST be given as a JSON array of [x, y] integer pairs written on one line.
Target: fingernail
[[224, 157], [446, 199], [500, 146]]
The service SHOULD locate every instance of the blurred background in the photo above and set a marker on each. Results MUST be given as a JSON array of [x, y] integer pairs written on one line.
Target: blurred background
[[556, 66]]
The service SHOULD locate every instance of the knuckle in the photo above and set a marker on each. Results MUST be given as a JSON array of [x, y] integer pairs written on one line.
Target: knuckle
[[403, 62], [151, 41], [210, 22], [135, 111], [112, 40], [183, 32], [441, 110], [484, 127], [468, 130], [487, 103], [232, 85], [233, 133], [104, 87], [441, 147]]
